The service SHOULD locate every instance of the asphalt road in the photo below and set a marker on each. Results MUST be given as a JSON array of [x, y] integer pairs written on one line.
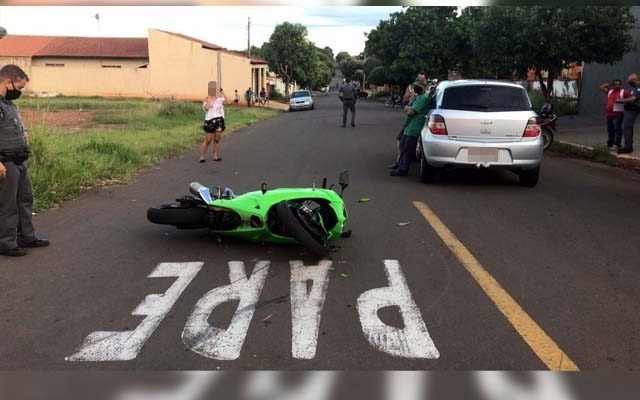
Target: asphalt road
[[566, 252]]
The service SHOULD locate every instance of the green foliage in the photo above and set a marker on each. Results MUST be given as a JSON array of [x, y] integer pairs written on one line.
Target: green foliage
[[291, 54], [416, 39], [377, 76], [173, 108], [562, 105], [381, 94], [276, 95], [498, 42]]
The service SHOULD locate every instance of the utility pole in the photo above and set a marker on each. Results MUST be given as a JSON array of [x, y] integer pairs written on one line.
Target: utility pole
[[97, 17], [249, 38]]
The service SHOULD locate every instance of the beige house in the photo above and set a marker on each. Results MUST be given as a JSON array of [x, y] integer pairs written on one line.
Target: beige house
[[164, 65]]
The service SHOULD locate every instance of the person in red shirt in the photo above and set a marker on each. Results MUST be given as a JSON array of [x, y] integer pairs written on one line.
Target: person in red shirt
[[615, 112]]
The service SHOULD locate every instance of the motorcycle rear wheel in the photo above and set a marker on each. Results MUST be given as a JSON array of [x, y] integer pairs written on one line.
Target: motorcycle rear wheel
[[178, 215], [547, 135], [302, 229]]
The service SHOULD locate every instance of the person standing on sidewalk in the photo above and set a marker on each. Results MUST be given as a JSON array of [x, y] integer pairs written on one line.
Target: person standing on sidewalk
[[347, 94], [16, 193], [412, 128], [631, 111], [615, 112]]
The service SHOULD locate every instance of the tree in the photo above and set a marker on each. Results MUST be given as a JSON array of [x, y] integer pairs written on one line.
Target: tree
[[416, 39], [3, 32], [349, 66], [377, 76], [291, 54], [546, 39], [498, 42], [342, 56]]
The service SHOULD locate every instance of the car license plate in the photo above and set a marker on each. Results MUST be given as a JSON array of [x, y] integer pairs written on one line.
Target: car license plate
[[483, 154]]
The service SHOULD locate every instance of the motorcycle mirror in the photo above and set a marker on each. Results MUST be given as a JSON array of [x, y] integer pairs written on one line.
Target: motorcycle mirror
[[263, 187], [344, 180], [324, 183]]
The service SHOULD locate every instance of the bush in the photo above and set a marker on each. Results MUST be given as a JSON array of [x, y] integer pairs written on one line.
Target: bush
[[173, 108], [381, 93], [275, 95], [562, 105]]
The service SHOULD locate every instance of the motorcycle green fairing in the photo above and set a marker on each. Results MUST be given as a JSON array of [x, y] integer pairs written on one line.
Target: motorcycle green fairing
[[257, 212]]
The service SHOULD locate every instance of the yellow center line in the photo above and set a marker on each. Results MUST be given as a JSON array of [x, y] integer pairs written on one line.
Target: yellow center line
[[541, 344]]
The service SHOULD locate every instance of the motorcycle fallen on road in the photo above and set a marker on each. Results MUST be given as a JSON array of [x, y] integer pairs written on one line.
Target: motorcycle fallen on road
[[310, 217]]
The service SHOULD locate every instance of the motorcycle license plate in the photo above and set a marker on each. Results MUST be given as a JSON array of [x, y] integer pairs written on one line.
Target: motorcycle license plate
[[483, 154]]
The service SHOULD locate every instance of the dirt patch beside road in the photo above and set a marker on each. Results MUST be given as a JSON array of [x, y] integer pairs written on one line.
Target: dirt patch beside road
[[72, 119]]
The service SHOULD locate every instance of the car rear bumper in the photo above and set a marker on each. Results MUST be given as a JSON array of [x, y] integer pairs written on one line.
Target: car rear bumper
[[441, 151]]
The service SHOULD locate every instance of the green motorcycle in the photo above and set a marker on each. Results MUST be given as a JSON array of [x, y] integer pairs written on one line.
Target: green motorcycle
[[307, 216]]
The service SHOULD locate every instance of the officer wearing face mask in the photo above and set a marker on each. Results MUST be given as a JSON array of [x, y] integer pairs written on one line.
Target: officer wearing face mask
[[16, 198]]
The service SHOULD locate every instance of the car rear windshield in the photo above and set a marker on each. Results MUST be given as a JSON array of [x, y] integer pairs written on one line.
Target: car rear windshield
[[485, 98], [300, 94]]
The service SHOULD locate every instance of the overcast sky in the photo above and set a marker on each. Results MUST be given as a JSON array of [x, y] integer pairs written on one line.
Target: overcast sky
[[341, 28]]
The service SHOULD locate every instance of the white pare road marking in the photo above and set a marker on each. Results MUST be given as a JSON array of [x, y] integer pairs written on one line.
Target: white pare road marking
[[412, 341], [225, 344], [306, 307], [125, 345]]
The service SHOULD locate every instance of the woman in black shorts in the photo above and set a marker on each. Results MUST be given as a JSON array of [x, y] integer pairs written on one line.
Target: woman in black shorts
[[213, 125]]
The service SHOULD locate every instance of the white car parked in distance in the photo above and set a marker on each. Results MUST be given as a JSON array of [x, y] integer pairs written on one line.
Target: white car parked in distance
[[301, 100]]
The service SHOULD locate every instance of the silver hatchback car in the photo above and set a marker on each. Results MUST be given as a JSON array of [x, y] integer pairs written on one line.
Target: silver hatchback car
[[481, 124], [301, 100]]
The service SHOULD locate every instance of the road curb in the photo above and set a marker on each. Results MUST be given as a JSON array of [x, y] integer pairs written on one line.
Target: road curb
[[588, 152]]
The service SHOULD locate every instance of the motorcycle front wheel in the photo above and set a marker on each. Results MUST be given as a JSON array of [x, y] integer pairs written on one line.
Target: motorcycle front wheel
[[303, 228], [178, 215], [547, 135], [387, 104]]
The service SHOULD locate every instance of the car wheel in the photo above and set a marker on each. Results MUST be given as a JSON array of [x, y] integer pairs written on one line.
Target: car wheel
[[427, 172], [530, 178]]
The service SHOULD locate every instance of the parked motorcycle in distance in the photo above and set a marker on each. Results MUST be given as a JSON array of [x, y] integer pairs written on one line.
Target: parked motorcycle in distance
[[307, 216], [393, 101], [548, 124]]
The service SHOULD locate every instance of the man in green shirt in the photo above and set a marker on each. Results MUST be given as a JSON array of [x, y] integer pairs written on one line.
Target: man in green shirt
[[412, 127]]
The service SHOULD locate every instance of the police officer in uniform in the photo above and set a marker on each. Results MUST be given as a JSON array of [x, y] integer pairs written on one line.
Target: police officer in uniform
[[347, 94], [16, 198]]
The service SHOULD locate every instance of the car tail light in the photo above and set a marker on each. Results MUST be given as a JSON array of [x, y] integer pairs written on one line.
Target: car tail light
[[532, 129], [437, 125]]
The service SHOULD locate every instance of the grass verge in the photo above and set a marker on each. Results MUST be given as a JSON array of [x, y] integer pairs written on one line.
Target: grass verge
[[123, 138]]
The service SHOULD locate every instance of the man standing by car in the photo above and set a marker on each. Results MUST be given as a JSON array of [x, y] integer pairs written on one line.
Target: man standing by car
[[631, 111], [412, 128], [409, 95], [408, 98], [615, 112], [347, 95], [16, 193]]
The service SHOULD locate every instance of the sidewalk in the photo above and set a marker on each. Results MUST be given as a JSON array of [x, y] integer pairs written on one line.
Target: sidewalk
[[591, 132]]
